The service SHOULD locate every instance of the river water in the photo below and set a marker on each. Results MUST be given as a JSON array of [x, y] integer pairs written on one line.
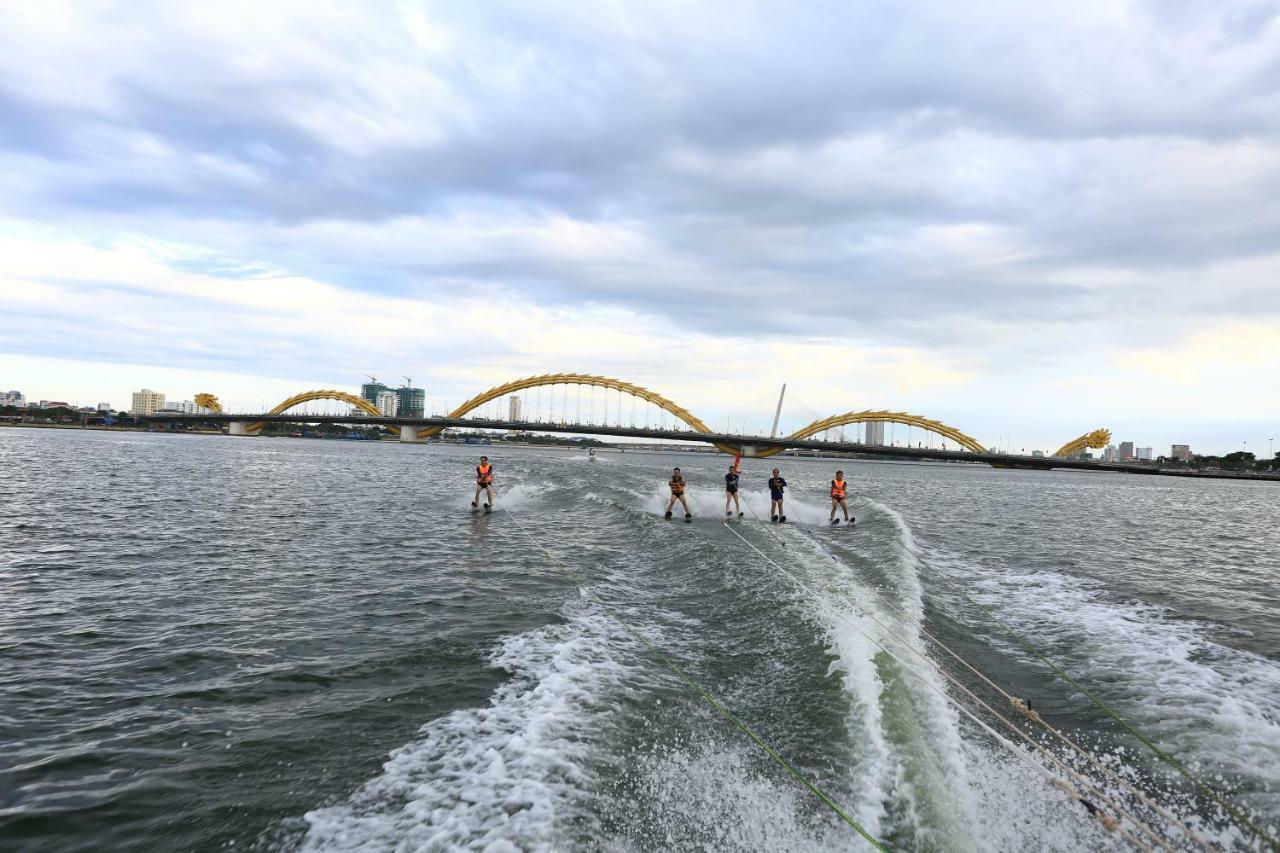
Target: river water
[[212, 642]]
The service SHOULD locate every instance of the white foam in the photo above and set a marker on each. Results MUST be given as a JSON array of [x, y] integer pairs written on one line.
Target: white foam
[[1214, 707], [512, 775], [711, 797], [927, 777], [516, 496], [709, 504], [912, 777]]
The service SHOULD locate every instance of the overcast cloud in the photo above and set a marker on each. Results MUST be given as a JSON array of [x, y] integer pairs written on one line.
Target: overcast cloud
[[1019, 219]]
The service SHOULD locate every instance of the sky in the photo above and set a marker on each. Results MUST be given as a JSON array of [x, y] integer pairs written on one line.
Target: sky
[[1024, 220]]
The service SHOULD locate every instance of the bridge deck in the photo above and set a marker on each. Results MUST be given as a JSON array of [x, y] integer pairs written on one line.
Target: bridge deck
[[1000, 460]]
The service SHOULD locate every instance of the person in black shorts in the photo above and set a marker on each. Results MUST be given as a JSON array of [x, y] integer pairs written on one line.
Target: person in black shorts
[[731, 491], [776, 487], [484, 483], [677, 494], [839, 488]]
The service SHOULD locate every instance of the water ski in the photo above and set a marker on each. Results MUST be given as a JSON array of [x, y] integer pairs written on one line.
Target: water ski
[[688, 518], [487, 509], [668, 515]]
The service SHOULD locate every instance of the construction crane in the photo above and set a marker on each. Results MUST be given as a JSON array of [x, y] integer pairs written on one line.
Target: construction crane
[[408, 381]]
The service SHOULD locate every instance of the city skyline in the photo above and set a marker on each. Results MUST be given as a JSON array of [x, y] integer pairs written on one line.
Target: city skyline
[[1019, 241]]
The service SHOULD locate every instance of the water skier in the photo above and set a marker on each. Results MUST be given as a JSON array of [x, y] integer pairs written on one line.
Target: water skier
[[838, 488], [677, 494], [731, 491], [484, 483], [776, 487]]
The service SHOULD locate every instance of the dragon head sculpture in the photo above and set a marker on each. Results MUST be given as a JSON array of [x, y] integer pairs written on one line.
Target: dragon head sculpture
[[208, 401]]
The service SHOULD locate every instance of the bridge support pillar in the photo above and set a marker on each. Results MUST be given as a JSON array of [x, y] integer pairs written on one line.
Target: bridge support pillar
[[238, 428], [409, 434]]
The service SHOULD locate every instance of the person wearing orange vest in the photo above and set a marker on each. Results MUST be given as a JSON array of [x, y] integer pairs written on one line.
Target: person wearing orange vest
[[484, 483], [677, 494], [839, 486]]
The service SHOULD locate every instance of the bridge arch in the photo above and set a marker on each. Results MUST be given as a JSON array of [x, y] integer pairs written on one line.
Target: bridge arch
[[1097, 438], [642, 393], [904, 418], [321, 394]]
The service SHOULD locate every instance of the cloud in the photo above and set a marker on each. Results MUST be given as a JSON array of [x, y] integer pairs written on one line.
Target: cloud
[[945, 198], [1214, 353]]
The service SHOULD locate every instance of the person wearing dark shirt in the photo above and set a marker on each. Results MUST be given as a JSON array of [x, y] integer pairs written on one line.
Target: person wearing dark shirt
[[731, 491], [677, 494], [776, 487]]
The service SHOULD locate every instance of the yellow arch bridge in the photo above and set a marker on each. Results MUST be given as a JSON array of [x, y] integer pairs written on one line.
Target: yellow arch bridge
[[1096, 438]]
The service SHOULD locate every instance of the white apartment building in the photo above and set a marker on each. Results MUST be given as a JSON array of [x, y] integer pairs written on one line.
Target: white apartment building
[[13, 398], [874, 433], [388, 404], [1144, 454], [105, 407], [513, 408], [147, 402]]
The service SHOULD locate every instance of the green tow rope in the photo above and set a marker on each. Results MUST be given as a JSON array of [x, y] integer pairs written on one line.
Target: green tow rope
[[711, 700], [1240, 818]]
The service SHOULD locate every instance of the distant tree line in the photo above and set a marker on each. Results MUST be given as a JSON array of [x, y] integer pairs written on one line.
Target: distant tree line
[[1240, 460], [63, 415]]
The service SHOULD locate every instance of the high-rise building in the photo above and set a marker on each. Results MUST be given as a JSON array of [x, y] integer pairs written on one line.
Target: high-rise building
[[147, 402], [104, 407], [1126, 451], [13, 398], [371, 390], [412, 402], [1144, 454], [874, 433], [388, 403], [1181, 452], [1109, 453], [513, 408], [185, 407]]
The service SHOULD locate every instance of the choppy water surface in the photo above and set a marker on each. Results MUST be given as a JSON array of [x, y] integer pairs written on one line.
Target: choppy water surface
[[288, 644]]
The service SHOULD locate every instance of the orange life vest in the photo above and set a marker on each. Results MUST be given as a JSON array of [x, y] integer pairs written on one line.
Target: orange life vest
[[677, 486], [838, 487], [483, 475]]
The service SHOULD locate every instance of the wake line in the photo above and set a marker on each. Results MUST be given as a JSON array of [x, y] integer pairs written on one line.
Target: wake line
[[1236, 815], [706, 695], [1104, 819], [1024, 707]]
